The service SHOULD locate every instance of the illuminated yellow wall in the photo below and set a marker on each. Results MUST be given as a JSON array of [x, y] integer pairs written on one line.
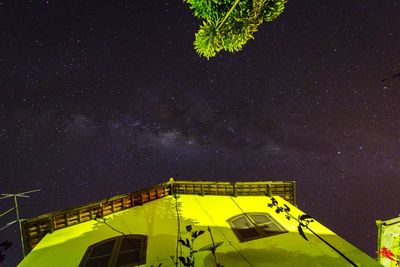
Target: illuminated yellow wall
[[389, 238], [157, 220]]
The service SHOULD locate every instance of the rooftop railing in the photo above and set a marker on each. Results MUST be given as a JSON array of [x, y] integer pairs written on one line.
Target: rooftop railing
[[35, 229]]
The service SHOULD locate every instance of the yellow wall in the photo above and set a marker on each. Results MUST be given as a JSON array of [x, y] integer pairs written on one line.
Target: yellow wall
[[389, 238], [157, 219]]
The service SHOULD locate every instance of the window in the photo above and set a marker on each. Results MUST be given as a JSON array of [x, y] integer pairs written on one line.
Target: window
[[121, 251], [251, 226]]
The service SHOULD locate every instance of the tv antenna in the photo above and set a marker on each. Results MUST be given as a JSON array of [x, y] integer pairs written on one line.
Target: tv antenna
[[16, 208], [212, 247]]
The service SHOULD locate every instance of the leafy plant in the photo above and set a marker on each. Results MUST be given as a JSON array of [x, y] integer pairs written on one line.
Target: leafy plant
[[229, 24], [189, 261], [303, 222]]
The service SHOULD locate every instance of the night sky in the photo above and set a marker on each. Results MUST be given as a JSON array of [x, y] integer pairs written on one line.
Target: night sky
[[101, 98]]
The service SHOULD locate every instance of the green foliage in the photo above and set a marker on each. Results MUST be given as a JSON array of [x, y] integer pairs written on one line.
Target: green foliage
[[189, 261], [229, 24]]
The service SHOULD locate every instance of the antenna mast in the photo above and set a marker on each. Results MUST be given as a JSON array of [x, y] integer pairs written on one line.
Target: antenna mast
[[18, 220]]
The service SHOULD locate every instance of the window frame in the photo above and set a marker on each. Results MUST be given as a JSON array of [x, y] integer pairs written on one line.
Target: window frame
[[256, 226], [116, 250]]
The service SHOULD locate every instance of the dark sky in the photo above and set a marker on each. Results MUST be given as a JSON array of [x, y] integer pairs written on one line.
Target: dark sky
[[101, 98]]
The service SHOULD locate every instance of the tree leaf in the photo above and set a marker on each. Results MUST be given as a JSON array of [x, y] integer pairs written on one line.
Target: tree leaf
[[229, 24], [200, 232], [286, 208], [304, 217], [301, 232], [183, 260], [183, 243]]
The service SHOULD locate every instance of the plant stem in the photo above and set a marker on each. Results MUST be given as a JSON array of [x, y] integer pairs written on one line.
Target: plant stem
[[227, 14]]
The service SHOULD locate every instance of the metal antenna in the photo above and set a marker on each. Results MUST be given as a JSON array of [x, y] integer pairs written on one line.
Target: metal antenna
[[18, 220], [214, 247]]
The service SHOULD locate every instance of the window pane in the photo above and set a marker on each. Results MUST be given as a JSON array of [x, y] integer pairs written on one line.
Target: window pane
[[128, 258], [255, 225], [103, 249], [130, 244], [241, 223], [259, 218], [248, 233], [121, 251], [266, 224], [98, 262], [270, 228], [243, 227]]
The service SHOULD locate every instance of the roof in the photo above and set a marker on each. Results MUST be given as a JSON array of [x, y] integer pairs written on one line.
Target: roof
[[35, 229]]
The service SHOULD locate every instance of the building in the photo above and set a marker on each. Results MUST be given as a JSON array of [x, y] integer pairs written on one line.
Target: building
[[189, 224], [389, 242]]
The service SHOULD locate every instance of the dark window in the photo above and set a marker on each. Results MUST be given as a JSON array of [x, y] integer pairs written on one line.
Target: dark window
[[251, 226], [121, 251]]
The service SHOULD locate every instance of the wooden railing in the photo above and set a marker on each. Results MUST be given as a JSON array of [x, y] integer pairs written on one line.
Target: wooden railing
[[286, 190], [36, 228]]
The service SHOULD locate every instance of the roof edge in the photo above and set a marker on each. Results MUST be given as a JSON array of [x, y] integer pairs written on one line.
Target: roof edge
[[34, 229]]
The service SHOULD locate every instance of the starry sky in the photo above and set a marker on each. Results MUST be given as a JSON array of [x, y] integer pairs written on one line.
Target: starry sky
[[101, 98]]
